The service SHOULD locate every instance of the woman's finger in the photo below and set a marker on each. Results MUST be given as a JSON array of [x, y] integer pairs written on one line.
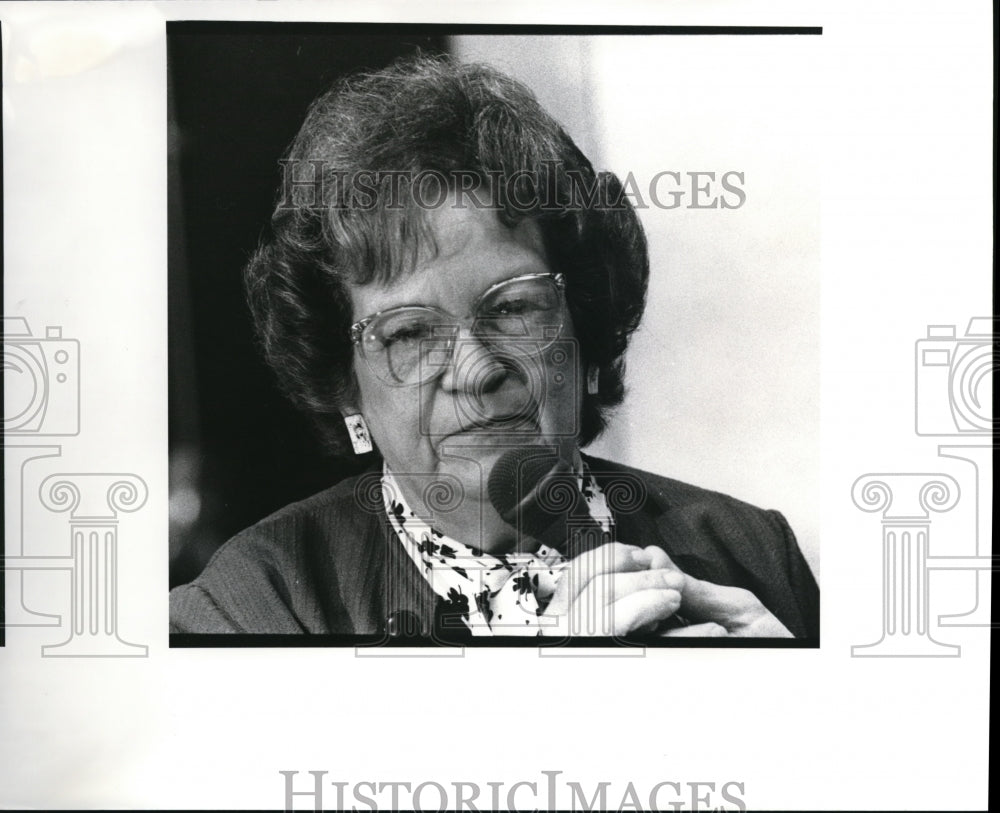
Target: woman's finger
[[614, 557], [639, 609], [658, 558], [709, 630], [598, 608], [736, 609], [618, 603], [617, 586], [726, 605]]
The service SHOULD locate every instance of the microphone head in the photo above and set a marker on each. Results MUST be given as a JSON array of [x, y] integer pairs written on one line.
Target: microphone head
[[534, 490], [515, 475]]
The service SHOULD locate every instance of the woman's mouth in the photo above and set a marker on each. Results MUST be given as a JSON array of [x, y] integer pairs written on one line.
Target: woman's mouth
[[501, 431]]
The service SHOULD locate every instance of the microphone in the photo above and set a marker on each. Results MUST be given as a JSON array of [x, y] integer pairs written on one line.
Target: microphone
[[535, 491]]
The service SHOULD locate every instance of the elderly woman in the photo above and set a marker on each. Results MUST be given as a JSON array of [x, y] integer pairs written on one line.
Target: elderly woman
[[449, 289]]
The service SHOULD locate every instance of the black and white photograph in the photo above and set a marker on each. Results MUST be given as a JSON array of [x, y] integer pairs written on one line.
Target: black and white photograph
[[446, 287], [530, 406]]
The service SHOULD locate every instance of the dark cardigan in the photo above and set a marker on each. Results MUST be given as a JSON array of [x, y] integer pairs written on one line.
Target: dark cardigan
[[332, 564]]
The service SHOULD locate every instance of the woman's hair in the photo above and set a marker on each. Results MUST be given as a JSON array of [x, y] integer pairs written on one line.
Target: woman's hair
[[370, 158]]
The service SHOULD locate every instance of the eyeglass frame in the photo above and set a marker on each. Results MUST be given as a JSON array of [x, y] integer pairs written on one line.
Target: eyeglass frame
[[358, 328]]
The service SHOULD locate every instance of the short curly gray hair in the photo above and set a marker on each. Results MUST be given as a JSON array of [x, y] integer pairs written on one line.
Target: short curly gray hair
[[424, 114]]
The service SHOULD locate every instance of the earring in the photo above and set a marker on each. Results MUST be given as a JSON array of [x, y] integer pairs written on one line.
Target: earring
[[357, 429], [593, 383]]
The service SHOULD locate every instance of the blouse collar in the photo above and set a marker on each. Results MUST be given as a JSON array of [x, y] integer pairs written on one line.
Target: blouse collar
[[495, 594]]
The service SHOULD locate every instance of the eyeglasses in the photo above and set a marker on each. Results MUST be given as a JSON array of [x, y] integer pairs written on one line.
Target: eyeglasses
[[414, 344]]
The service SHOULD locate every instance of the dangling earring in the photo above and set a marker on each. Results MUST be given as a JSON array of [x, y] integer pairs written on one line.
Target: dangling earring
[[593, 383], [357, 429]]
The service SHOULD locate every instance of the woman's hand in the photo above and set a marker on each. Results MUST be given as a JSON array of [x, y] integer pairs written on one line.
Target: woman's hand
[[720, 610], [610, 591], [617, 589]]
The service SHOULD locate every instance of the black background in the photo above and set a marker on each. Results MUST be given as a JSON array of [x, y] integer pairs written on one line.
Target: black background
[[237, 94]]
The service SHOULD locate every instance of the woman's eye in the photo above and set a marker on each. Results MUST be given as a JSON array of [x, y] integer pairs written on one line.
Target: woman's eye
[[514, 307], [409, 333]]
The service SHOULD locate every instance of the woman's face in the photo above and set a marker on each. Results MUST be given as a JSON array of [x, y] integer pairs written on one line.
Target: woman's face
[[458, 424]]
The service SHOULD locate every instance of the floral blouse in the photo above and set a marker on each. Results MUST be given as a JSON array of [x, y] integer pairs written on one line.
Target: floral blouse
[[495, 594]]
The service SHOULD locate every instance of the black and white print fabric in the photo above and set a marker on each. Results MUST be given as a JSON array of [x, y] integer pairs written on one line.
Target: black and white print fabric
[[495, 594]]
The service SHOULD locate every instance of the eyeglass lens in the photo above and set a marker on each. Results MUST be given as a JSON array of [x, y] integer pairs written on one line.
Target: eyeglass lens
[[410, 345]]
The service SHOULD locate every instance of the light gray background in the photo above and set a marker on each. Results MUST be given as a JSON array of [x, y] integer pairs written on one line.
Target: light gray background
[[724, 372]]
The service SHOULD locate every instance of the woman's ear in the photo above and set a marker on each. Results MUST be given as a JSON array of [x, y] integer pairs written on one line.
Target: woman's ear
[[349, 396]]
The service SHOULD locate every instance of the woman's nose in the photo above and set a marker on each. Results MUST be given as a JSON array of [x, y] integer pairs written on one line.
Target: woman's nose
[[474, 369]]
